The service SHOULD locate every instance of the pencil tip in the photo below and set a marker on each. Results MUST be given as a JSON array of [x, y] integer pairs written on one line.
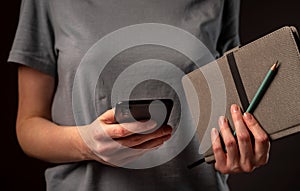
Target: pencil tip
[[275, 65]]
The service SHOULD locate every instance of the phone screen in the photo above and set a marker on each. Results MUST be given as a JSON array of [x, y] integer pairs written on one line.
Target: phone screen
[[137, 110]]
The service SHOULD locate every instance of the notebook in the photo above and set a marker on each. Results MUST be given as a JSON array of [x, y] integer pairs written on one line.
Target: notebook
[[235, 78]]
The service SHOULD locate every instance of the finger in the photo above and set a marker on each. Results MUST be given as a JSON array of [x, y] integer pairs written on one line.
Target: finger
[[219, 154], [153, 143], [131, 158], [262, 144], [128, 155], [127, 129], [230, 143], [108, 117], [244, 139], [144, 126], [123, 155], [138, 139]]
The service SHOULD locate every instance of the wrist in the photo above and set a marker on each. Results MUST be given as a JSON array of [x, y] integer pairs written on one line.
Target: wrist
[[80, 147], [85, 152]]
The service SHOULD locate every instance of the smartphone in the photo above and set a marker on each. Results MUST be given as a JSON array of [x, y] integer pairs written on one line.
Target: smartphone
[[137, 110]]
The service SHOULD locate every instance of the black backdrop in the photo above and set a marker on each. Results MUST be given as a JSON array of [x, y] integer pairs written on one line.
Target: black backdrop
[[17, 171]]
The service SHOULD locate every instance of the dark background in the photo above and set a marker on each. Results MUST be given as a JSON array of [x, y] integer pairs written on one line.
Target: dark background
[[17, 171]]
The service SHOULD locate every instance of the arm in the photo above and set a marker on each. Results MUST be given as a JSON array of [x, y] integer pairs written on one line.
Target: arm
[[39, 137]]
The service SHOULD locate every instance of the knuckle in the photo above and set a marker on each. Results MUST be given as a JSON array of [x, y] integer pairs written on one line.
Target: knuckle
[[256, 125], [230, 143], [97, 134], [263, 139], [120, 132], [224, 171], [247, 167], [263, 160], [253, 123], [221, 168], [96, 137], [100, 149], [235, 168], [217, 148], [244, 137]]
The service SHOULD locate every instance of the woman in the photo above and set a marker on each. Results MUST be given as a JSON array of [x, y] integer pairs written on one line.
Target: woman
[[52, 39]]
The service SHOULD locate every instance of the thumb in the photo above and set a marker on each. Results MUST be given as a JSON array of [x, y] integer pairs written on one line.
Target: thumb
[[108, 116]]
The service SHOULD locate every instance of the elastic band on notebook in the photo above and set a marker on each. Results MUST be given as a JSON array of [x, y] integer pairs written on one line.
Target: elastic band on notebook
[[237, 81]]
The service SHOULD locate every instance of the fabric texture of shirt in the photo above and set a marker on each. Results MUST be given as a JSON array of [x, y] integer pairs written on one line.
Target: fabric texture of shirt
[[54, 36]]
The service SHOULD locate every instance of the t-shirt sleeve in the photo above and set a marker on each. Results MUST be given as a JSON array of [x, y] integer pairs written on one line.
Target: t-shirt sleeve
[[33, 45], [229, 36]]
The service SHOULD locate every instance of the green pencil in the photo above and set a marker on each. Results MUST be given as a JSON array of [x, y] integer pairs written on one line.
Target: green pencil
[[262, 88]]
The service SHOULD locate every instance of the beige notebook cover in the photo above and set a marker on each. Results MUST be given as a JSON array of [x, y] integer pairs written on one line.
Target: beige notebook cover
[[242, 70]]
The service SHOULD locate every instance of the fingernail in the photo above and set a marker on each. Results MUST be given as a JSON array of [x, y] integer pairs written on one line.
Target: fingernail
[[247, 116], [222, 120], [235, 108], [214, 134]]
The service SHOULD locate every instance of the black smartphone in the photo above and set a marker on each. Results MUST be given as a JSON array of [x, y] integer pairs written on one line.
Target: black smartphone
[[137, 110]]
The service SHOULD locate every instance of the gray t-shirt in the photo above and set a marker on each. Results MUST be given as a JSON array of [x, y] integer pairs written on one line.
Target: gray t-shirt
[[54, 36]]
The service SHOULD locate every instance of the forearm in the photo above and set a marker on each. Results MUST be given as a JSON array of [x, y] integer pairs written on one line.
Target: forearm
[[42, 139]]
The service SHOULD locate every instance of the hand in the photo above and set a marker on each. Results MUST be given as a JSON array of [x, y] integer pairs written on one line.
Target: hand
[[118, 144], [242, 155]]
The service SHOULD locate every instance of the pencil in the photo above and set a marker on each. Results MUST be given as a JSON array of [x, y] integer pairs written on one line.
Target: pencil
[[262, 88]]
